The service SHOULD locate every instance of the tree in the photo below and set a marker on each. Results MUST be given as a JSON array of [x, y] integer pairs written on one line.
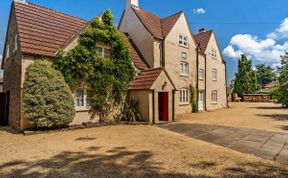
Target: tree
[[48, 101], [246, 80], [282, 90], [265, 74]]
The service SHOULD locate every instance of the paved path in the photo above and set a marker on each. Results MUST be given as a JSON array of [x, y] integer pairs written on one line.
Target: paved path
[[264, 144]]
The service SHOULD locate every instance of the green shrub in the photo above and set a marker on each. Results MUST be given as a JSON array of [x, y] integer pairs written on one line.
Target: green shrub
[[130, 111], [193, 99], [48, 101]]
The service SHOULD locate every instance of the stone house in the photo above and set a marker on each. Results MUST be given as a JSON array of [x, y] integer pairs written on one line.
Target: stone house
[[165, 54], [190, 60]]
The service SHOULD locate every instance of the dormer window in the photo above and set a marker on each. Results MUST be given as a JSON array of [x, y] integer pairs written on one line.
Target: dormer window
[[214, 53], [183, 40]]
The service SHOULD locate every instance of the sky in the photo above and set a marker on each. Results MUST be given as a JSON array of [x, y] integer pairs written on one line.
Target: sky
[[256, 28]]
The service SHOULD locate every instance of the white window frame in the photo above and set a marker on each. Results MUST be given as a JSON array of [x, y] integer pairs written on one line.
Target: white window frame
[[183, 40], [214, 75], [15, 42], [201, 74], [86, 102], [184, 96], [214, 96], [214, 53], [184, 69], [184, 55], [103, 52]]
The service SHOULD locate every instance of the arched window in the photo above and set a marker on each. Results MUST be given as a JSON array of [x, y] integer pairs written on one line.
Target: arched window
[[201, 74], [184, 69], [214, 96]]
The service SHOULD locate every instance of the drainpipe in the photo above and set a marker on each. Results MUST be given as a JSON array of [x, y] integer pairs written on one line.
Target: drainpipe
[[197, 73], [173, 105], [163, 53], [153, 106], [205, 93], [226, 86]]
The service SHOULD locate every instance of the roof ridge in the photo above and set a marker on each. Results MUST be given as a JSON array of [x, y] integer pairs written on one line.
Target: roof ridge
[[50, 9], [157, 68], [180, 12]]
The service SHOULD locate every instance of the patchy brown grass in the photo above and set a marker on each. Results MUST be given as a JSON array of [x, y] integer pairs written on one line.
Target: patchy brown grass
[[261, 116], [125, 151]]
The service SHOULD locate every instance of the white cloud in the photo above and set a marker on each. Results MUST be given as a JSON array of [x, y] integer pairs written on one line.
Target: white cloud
[[230, 52], [281, 32], [266, 50], [199, 11]]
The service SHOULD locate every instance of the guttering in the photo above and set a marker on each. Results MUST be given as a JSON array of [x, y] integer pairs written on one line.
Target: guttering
[[173, 105], [197, 74], [226, 86]]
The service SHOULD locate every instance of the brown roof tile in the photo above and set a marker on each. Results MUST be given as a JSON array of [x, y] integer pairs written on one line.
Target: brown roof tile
[[158, 27], [169, 22], [135, 54], [146, 79], [43, 31], [202, 39]]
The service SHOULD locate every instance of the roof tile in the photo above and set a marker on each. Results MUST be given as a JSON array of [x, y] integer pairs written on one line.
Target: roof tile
[[43, 31], [146, 79], [203, 39], [158, 27]]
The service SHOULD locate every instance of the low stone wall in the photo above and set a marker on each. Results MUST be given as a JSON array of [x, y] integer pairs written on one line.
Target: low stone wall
[[257, 98]]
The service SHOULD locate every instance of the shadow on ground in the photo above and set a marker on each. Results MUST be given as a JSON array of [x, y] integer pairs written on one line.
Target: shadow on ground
[[119, 162]]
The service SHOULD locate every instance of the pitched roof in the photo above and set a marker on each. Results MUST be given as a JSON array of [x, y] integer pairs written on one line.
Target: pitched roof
[[146, 79], [169, 22], [203, 39], [270, 85], [135, 54], [43, 31], [158, 27]]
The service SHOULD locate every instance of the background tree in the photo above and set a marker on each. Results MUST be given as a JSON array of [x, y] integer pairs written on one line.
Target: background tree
[[265, 74], [282, 91], [48, 101], [246, 79]]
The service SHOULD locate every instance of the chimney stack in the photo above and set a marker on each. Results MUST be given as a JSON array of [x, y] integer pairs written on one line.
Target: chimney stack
[[130, 3], [21, 1], [201, 30]]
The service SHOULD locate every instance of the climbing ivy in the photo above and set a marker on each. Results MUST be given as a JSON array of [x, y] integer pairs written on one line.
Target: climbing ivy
[[193, 99], [84, 67]]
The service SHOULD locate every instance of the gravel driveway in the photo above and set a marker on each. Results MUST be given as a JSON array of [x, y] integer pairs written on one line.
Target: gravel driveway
[[125, 151]]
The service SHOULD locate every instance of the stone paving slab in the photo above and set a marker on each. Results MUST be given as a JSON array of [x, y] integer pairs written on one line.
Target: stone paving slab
[[264, 144]]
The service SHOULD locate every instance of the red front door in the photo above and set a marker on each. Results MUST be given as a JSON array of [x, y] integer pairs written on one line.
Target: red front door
[[163, 99]]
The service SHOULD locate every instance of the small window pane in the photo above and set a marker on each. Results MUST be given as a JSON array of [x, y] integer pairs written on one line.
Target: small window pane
[[184, 55], [88, 98], [80, 98], [99, 51], [107, 53]]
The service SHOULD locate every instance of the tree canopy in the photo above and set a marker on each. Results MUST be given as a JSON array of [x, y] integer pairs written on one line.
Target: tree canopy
[[282, 90], [48, 101], [265, 74], [246, 79], [84, 66]]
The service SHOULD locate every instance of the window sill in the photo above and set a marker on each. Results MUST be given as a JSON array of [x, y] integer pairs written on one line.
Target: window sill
[[184, 104], [214, 103], [186, 76], [215, 58], [183, 46], [201, 79], [82, 109], [214, 80]]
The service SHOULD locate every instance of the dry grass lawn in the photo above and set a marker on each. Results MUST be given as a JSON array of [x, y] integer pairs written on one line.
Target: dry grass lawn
[[261, 116], [125, 151]]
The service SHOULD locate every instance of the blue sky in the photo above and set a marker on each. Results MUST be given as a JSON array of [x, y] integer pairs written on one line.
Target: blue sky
[[252, 27]]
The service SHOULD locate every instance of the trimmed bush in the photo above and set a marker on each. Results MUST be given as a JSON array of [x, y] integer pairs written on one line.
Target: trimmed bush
[[48, 101]]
